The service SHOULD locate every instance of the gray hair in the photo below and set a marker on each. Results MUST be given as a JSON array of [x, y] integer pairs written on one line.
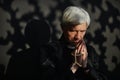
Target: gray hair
[[73, 15]]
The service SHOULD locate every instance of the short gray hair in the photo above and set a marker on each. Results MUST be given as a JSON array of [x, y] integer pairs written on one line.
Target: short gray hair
[[74, 15]]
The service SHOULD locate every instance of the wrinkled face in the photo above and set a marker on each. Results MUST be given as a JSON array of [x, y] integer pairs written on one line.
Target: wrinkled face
[[75, 34]]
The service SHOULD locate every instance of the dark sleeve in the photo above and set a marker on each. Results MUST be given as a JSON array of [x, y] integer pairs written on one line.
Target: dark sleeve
[[92, 71], [95, 71]]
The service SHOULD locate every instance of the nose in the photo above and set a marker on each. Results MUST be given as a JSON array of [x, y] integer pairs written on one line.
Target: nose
[[78, 35]]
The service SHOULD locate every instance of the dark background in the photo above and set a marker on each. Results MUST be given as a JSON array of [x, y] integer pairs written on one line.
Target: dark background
[[103, 33]]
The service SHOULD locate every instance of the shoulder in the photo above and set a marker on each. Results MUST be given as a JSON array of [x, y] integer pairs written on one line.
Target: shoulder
[[91, 51], [54, 46], [93, 57], [54, 50]]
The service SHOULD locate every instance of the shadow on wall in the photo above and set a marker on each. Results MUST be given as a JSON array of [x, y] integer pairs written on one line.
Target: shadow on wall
[[37, 32], [26, 64]]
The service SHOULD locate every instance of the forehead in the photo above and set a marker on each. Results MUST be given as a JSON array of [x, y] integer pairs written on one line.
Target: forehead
[[82, 26]]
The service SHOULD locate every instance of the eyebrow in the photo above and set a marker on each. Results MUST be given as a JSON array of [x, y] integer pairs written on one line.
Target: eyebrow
[[76, 30]]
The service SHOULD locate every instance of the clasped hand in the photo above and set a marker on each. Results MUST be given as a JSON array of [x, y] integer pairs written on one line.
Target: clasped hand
[[80, 55]]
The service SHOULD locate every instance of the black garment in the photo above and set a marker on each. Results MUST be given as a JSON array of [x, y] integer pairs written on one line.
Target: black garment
[[51, 62], [60, 55], [31, 64]]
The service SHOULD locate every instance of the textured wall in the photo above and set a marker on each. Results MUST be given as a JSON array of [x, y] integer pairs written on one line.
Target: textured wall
[[103, 34]]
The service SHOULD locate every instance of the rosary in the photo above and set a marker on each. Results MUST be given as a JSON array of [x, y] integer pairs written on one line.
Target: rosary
[[78, 55]]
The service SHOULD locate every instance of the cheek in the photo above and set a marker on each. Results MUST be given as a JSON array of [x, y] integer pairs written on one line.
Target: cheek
[[70, 36], [83, 34]]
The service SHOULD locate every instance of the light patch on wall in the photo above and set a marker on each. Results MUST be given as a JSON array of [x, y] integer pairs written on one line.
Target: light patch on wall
[[94, 16], [110, 20], [115, 3], [22, 6], [46, 6], [56, 23], [104, 5], [4, 25], [111, 50], [96, 46], [4, 58], [93, 27], [23, 24], [117, 33]]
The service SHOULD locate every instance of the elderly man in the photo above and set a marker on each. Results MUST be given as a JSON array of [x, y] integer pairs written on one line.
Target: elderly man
[[72, 58]]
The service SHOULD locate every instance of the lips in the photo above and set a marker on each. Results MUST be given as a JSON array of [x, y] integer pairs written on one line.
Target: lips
[[76, 42]]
